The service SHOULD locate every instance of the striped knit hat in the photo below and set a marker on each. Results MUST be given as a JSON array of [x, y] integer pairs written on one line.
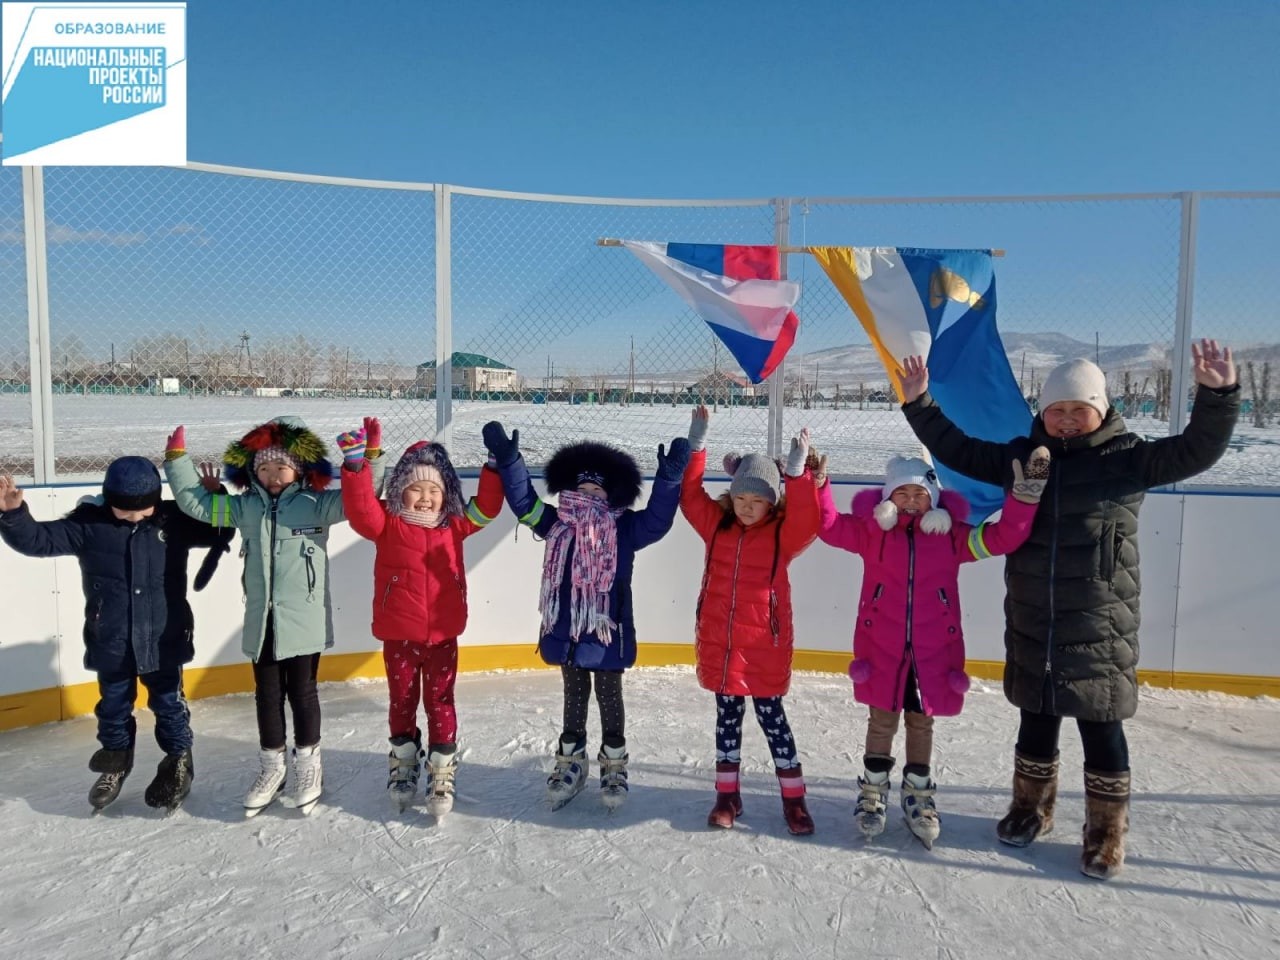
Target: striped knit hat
[[284, 438]]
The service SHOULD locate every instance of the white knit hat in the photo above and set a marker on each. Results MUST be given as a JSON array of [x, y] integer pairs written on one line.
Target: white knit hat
[[903, 470], [427, 472], [1079, 380]]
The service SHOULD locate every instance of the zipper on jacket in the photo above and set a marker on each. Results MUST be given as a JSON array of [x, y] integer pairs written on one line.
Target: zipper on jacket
[[387, 592], [1053, 557], [311, 574], [733, 603], [907, 653], [271, 563]]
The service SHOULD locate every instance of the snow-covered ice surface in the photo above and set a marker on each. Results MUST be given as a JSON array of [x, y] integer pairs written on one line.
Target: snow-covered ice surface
[[504, 877], [90, 431]]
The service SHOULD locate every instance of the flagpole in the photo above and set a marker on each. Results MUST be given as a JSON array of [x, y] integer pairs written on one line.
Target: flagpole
[[789, 249], [782, 248]]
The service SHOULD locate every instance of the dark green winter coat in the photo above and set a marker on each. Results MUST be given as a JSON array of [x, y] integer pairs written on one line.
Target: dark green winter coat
[[1071, 605]]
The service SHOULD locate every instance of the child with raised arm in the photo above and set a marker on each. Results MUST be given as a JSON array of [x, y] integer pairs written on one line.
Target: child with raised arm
[[744, 633], [908, 644], [284, 516], [588, 626], [419, 600], [132, 548], [1071, 606]]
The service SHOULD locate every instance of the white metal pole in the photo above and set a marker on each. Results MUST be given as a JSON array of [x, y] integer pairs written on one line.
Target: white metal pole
[[444, 316], [777, 380], [1180, 374], [38, 324]]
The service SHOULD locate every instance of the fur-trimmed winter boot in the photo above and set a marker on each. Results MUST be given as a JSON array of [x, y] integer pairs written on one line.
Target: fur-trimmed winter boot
[[1106, 821], [792, 784], [728, 796], [1035, 790]]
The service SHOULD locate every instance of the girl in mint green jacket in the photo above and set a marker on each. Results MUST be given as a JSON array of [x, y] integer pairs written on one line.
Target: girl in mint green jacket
[[283, 517]]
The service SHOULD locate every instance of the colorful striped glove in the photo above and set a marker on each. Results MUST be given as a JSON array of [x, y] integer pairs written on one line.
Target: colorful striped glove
[[352, 445]]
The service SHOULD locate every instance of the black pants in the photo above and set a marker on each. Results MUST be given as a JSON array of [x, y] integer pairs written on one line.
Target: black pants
[[292, 679], [1105, 748], [577, 695]]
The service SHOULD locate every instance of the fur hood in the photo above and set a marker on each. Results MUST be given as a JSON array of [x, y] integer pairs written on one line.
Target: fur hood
[[428, 454], [616, 468], [289, 433], [951, 507]]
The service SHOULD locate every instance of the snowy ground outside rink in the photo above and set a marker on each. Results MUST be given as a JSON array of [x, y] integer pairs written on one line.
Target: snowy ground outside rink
[[502, 876]]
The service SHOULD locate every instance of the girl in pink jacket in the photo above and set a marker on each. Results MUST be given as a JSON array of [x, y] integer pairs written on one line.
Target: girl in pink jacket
[[908, 645]]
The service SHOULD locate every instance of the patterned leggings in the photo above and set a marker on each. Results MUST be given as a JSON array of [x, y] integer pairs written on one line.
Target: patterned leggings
[[577, 696], [773, 721], [426, 671]]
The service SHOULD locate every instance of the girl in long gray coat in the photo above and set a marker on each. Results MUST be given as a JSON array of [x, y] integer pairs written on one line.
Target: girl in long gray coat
[[283, 518], [1071, 610]]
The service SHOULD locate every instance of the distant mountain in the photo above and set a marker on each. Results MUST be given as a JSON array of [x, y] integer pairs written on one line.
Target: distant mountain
[[1031, 357]]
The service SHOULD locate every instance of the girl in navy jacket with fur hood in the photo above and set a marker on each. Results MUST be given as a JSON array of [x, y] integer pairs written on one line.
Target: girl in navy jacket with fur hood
[[587, 626]]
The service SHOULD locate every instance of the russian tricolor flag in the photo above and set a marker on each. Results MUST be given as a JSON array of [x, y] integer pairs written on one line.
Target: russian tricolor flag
[[736, 290]]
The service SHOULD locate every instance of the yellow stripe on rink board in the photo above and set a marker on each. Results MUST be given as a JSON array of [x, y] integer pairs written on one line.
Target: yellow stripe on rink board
[[62, 703]]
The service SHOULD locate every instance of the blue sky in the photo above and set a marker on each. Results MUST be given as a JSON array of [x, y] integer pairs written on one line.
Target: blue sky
[[705, 99], [669, 99]]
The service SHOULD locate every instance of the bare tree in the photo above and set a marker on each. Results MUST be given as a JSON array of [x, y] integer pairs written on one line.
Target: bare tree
[[338, 364]]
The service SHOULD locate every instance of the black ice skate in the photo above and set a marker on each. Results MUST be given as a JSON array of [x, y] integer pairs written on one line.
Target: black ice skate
[[172, 782], [113, 767]]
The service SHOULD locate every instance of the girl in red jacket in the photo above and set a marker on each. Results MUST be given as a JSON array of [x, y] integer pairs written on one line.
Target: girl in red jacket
[[908, 646], [744, 633], [419, 599]]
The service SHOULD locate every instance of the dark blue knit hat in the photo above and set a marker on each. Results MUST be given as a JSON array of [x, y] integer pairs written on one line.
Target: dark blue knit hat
[[131, 483]]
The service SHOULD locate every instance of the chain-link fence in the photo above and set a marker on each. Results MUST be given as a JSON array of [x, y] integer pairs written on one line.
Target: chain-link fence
[[219, 298]]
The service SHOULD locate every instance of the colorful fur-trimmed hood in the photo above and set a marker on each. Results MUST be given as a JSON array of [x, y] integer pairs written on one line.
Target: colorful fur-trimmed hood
[[292, 435]]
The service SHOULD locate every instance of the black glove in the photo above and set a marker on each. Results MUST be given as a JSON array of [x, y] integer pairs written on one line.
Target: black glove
[[671, 464], [505, 449]]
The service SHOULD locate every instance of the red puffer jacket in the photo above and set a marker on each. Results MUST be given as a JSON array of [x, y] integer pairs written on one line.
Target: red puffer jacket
[[745, 636], [419, 580]]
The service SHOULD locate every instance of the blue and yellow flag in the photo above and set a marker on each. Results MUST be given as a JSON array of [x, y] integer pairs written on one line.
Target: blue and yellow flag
[[939, 304]]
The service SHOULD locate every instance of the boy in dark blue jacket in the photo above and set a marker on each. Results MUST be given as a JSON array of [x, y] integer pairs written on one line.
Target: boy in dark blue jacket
[[133, 551]]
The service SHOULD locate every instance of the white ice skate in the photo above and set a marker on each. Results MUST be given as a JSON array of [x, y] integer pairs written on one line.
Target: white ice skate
[[871, 813], [613, 776], [570, 774], [308, 779], [405, 766], [441, 770], [918, 808], [268, 785]]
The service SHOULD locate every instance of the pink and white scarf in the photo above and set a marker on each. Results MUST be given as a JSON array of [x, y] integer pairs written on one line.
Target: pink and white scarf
[[595, 562]]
